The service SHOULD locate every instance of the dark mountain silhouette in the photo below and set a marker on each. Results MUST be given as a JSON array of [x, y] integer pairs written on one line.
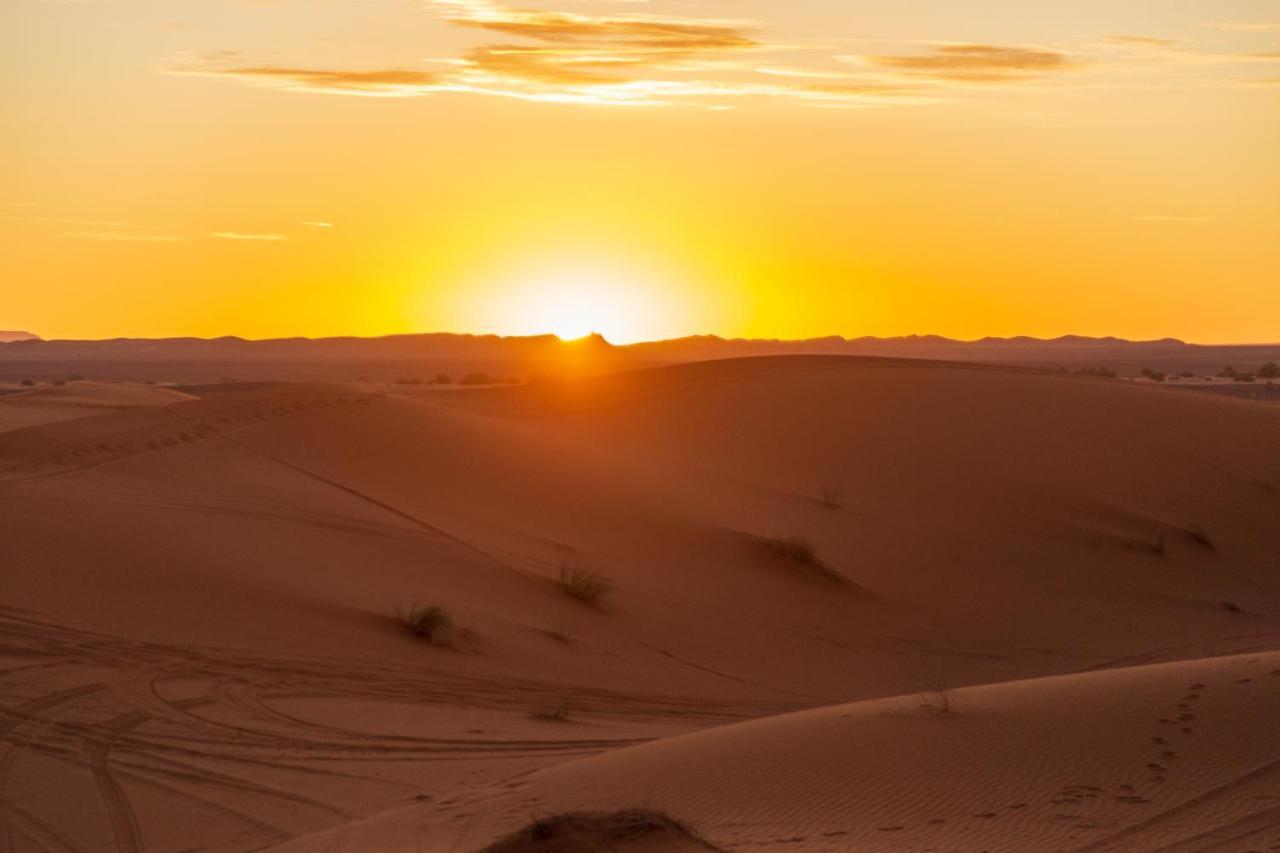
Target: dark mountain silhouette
[[6, 337], [422, 356]]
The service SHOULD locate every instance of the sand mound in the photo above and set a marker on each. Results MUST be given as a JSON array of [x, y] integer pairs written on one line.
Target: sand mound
[[51, 403], [199, 600], [1163, 757], [637, 831]]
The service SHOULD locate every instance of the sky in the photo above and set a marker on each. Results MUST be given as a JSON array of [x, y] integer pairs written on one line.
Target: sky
[[641, 168]]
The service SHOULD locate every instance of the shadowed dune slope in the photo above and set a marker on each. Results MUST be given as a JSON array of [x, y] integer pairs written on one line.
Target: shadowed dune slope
[[214, 581]]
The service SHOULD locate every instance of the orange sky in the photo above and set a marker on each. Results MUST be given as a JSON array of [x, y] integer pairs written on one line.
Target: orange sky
[[645, 169]]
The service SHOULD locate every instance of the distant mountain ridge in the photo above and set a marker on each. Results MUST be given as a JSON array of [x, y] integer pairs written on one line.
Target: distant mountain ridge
[[6, 337], [422, 355]]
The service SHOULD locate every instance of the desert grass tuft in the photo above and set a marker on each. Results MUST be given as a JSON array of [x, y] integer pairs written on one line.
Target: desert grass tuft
[[557, 713], [561, 632], [431, 623], [832, 496], [1201, 536], [800, 553], [583, 584]]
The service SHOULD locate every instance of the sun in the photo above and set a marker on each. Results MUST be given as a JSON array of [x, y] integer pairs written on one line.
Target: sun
[[576, 307], [573, 300]]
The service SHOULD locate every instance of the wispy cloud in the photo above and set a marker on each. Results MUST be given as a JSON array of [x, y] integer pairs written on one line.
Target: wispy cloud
[[564, 57], [629, 58], [316, 224], [238, 235], [1159, 218], [978, 63], [393, 82]]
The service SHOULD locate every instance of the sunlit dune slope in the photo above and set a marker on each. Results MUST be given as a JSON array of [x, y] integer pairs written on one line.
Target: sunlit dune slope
[[1169, 757]]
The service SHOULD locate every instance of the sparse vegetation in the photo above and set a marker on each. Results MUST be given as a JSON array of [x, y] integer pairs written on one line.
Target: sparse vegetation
[[562, 633], [797, 549], [801, 553], [832, 496], [1232, 607], [557, 713], [27, 383], [1154, 546], [1199, 535], [442, 379], [431, 623], [1270, 370], [583, 584], [600, 831], [936, 701], [476, 379], [1153, 375], [1103, 372]]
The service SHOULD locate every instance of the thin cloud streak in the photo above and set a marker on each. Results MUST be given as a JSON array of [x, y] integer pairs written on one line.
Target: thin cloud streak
[[978, 63]]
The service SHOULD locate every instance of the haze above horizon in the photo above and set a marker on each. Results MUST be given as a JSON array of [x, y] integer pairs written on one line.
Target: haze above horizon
[[647, 169]]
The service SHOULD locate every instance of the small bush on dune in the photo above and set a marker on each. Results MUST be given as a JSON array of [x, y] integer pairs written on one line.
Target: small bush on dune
[[1199, 535], [561, 633], [601, 831], [557, 713], [936, 701], [832, 496], [433, 624], [583, 584], [797, 549], [801, 553]]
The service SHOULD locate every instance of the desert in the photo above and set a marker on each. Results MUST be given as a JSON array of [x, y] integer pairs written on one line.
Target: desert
[[844, 604], [639, 426]]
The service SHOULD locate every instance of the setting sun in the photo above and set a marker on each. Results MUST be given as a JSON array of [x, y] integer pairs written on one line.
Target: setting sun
[[569, 292], [575, 304]]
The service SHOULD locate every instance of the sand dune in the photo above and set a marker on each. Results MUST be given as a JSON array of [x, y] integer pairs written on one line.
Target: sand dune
[[1164, 757], [199, 617], [50, 403]]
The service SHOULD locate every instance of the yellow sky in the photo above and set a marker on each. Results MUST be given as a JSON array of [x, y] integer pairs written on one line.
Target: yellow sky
[[645, 169]]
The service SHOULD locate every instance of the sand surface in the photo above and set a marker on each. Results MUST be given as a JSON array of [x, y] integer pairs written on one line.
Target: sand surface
[[1037, 612], [43, 404]]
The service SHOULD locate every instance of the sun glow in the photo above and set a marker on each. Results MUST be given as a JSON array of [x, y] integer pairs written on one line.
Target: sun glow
[[575, 295], [574, 306]]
